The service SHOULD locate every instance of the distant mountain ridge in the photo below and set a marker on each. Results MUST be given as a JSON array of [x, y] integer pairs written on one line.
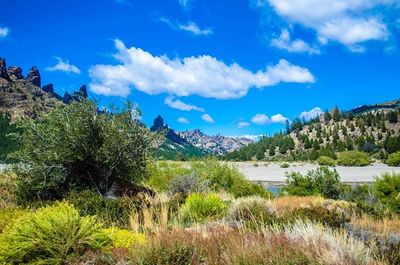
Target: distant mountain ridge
[[194, 143], [215, 144]]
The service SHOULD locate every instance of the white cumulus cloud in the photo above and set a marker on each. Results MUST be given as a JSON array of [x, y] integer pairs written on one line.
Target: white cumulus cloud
[[350, 22], [190, 27], [180, 105], [278, 118], [207, 118], [183, 120], [4, 31], [262, 119], [64, 66], [311, 114], [285, 42], [203, 75], [242, 124]]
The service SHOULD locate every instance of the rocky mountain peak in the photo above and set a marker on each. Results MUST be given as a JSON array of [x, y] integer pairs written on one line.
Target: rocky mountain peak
[[34, 76], [15, 73], [3, 69], [158, 124]]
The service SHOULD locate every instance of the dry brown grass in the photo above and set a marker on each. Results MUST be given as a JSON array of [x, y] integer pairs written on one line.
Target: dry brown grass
[[304, 243], [153, 215], [291, 203], [384, 227]]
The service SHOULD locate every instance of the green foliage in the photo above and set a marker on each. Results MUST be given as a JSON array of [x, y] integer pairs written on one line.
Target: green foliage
[[186, 184], [7, 143], [50, 236], [322, 181], [353, 158], [108, 211], [203, 207], [245, 188], [76, 147], [121, 238], [9, 214], [285, 165], [387, 189], [162, 172], [393, 159], [326, 161], [223, 176], [252, 212]]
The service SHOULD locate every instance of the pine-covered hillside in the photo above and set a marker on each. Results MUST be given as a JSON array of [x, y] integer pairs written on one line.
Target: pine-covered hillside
[[374, 129]]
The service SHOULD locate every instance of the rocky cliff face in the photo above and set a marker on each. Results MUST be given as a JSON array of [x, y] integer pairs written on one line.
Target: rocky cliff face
[[23, 96], [216, 144]]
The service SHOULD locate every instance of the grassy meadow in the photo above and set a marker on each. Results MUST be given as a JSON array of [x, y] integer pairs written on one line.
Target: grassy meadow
[[84, 189]]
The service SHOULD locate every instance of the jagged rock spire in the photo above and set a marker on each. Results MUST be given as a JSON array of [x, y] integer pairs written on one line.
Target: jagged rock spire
[[34, 76]]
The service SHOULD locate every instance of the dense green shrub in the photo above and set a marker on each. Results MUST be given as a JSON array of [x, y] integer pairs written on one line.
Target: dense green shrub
[[321, 181], [186, 184], [223, 176], [245, 188], [387, 189], [393, 159], [108, 211], [9, 214], [162, 172], [203, 207], [353, 158], [50, 236], [285, 165], [251, 212], [121, 238], [77, 147], [326, 161], [7, 143]]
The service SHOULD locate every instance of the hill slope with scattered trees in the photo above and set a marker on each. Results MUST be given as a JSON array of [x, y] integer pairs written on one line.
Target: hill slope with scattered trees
[[375, 130]]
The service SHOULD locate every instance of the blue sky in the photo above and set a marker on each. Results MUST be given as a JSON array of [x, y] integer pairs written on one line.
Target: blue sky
[[231, 67]]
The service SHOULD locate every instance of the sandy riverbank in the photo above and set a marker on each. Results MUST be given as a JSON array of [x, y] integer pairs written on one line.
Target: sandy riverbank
[[272, 172]]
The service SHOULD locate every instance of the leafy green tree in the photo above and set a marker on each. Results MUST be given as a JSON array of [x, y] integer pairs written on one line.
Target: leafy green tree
[[392, 117], [76, 147], [7, 143], [336, 114], [322, 181]]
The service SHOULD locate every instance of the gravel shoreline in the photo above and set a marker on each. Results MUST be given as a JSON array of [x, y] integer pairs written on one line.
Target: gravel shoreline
[[272, 172]]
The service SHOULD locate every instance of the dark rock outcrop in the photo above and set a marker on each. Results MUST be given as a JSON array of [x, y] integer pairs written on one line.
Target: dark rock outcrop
[[75, 96], [34, 76], [23, 97], [15, 73], [159, 126], [3, 69]]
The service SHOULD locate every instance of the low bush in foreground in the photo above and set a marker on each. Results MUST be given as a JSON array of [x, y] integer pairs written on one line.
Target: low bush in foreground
[[393, 159], [326, 161], [387, 189], [321, 181], [203, 207], [50, 235], [353, 158]]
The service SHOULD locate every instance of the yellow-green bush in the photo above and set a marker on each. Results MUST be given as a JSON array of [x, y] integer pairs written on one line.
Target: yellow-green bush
[[9, 215], [326, 161], [122, 238], [203, 207], [50, 235], [353, 158], [393, 159]]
